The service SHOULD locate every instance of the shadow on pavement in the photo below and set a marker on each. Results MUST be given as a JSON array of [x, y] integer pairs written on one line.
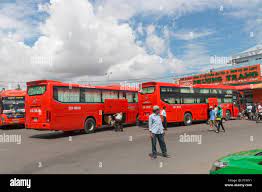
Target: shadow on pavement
[[61, 134], [12, 127]]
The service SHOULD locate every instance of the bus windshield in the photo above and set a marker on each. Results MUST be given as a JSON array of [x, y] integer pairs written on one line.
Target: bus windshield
[[148, 90], [13, 104], [36, 90]]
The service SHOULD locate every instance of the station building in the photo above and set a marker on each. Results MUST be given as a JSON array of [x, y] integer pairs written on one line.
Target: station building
[[243, 70]]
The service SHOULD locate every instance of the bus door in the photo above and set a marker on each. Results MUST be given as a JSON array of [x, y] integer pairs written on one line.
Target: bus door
[[236, 103]]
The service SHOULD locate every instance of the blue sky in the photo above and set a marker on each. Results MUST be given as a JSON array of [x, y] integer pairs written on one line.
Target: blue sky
[[185, 34], [228, 35]]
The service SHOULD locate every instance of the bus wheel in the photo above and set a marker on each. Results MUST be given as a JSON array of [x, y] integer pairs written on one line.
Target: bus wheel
[[90, 125], [228, 115], [188, 119]]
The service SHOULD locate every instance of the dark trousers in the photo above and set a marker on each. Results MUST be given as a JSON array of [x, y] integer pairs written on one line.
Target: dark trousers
[[220, 124], [162, 144], [164, 122], [118, 126]]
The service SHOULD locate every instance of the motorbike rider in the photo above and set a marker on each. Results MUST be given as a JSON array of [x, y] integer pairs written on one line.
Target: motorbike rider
[[259, 112], [249, 110], [259, 108]]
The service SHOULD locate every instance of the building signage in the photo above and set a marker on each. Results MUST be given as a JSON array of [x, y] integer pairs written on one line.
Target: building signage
[[229, 76]]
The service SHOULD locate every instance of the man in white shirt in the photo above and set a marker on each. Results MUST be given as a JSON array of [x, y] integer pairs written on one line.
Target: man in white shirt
[[156, 130], [163, 114], [249, 111], [249, 108]]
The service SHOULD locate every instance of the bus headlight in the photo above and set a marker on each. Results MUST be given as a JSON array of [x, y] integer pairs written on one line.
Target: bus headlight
[[218, 165]]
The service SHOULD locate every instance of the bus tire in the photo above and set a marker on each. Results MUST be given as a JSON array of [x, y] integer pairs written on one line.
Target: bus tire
[[228, 115], [90, 125], [188, 119]]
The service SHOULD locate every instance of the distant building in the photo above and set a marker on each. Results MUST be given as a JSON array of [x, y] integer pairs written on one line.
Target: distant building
[[251, 56], [244, 70]]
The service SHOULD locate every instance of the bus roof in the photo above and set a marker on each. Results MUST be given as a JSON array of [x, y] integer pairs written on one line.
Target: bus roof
[[58, 83], [12, 93], [148, 84], [33, 83]]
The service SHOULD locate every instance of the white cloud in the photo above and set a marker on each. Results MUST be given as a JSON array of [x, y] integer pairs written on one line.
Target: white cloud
[[191, 35], [150, 29], [81, 40], [15, 19], [140, 29], [75, 43], [124, 9], [155, 44]]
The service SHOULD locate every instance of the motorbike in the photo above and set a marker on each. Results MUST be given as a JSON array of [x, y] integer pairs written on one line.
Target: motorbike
[[259, 117]]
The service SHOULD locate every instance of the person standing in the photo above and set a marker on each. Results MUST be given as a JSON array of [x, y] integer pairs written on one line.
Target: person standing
[[219, 119], [215, 109], [259, 108], [118, 121], [212, 118], [249, 111], [156, 130], [163, 114], [253, 110]]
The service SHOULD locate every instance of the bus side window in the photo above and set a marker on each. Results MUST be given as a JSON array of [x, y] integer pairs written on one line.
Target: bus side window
[[55, 93], [135, 97], [122, 95], [130, 97], [91, 96], [202, 100], [107, 94], [66, 95]]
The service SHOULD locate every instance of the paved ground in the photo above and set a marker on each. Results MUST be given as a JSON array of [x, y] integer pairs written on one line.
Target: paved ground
[[109, 152]]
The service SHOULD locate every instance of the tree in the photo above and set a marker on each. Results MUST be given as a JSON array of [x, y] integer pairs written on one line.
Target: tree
[[18, 87]]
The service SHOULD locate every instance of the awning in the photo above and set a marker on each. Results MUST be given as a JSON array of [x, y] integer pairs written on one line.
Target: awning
[[249, 86]]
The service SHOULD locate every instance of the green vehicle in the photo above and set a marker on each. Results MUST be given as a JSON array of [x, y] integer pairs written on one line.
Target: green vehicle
[[245, 162]]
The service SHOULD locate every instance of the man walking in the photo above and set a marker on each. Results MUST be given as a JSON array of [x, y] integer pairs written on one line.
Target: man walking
[[156, 130], [163, 114], [220, 119]]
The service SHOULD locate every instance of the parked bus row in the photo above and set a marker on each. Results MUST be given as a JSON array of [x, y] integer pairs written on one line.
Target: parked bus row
[[57, 106]]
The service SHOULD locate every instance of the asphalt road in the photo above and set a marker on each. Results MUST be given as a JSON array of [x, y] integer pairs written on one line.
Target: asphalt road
[[107, 151]]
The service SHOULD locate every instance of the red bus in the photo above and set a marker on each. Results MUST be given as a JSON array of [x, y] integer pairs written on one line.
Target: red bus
[[53, 105], [187, 104], [12, 107]]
